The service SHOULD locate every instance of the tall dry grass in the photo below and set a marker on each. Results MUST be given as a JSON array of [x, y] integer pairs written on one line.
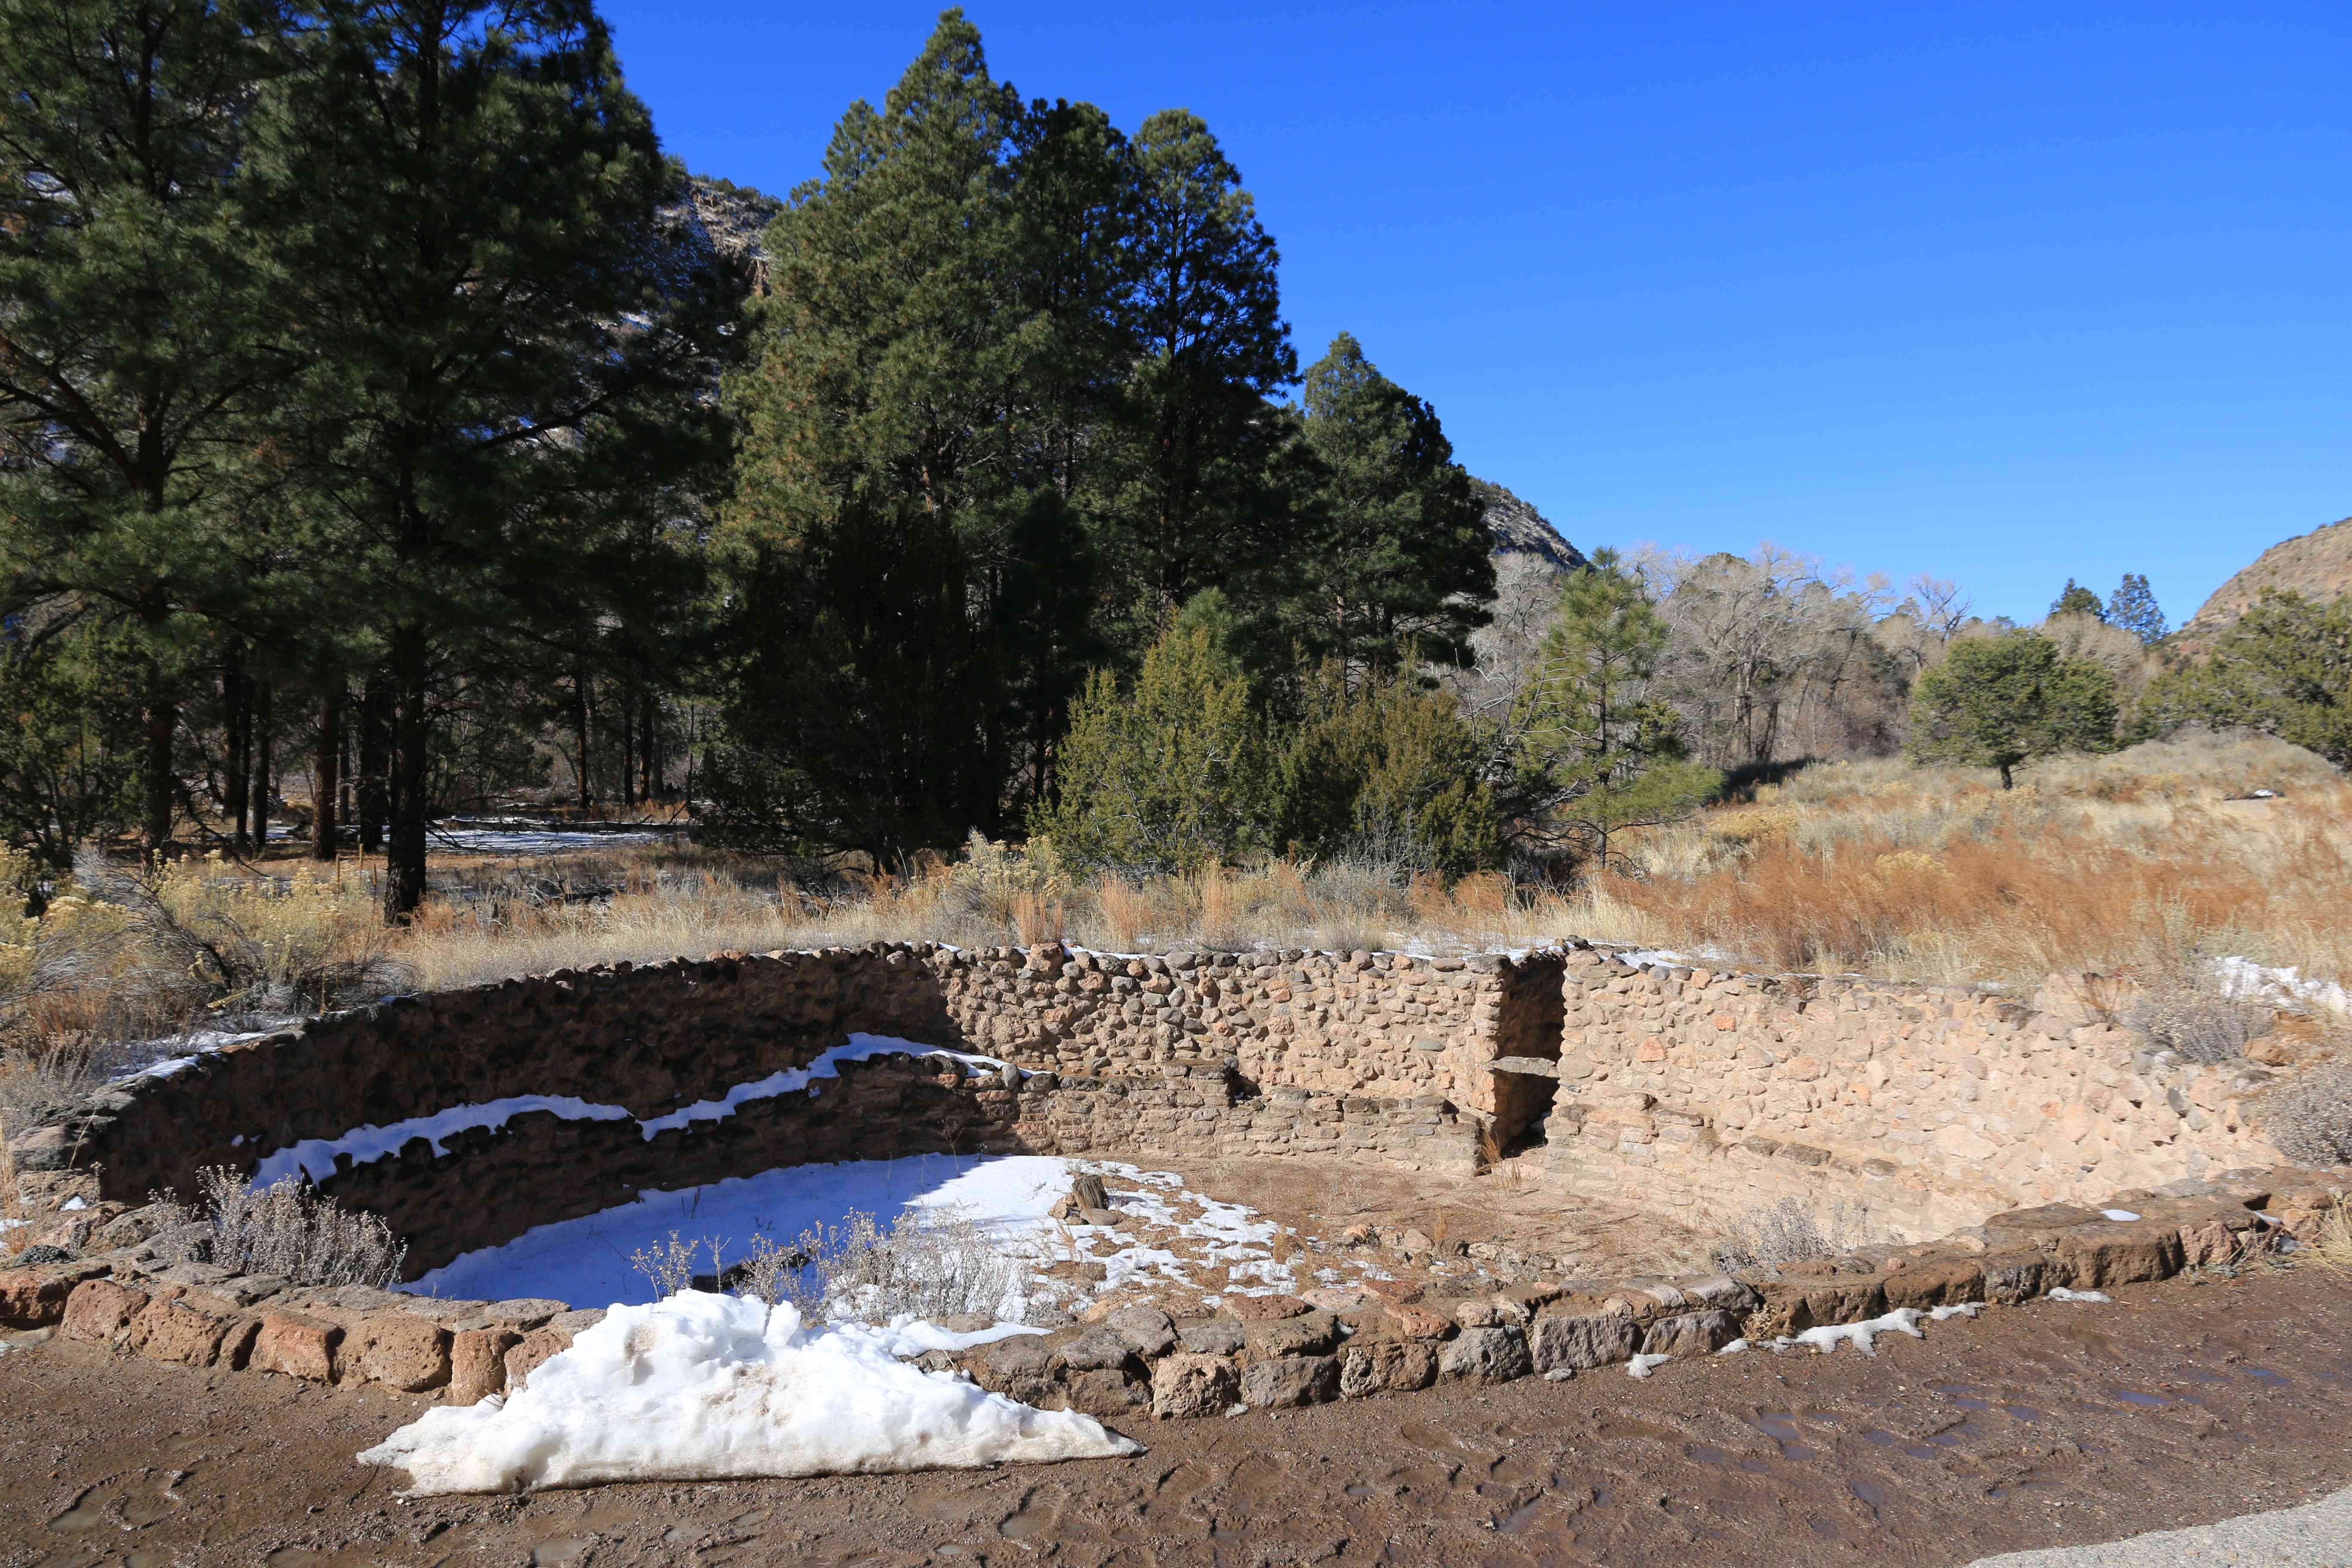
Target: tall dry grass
[[2140, 862]]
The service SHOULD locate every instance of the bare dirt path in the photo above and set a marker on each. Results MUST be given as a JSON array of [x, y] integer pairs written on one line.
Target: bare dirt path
[[2041, 1426]]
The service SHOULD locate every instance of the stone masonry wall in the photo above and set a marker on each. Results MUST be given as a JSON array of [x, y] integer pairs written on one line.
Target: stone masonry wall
[[1714, 1094], [1191, 1054]]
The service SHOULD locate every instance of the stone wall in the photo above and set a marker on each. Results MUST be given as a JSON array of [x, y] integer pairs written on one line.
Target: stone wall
[[1712, 1094], [1709, 1094], [1270, 1054]]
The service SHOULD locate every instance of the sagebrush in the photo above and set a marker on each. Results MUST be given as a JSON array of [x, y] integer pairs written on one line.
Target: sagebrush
[[285, 1228]]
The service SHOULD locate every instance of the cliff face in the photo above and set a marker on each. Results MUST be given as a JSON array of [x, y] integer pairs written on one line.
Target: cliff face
[[1520, 529], [2317, 565]]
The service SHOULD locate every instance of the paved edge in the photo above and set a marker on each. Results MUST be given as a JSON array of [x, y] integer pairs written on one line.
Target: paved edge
[[2316, 1535]]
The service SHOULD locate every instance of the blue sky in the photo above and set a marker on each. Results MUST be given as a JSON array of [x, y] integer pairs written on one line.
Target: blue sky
[[2002, 293]]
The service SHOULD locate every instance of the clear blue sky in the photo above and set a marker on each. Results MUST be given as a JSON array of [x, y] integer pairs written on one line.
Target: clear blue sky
[[2002, 293]]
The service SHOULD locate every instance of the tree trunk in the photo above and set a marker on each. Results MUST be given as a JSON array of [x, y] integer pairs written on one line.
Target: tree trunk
[[628, 747], [580, 729], [403, 869], [651, 748], [375, 762], [159, 726], [264, 792], [327, 778], [237, 710]]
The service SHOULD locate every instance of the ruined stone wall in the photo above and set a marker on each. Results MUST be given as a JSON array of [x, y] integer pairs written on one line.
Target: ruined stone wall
[[1389, 1025], [1713, 1094], [1184, 1056]]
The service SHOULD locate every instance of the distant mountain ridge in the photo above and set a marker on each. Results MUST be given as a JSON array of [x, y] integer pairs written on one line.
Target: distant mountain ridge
[[2317, 565]]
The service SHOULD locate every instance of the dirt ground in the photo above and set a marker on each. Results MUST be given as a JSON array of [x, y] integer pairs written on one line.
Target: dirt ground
[[2049, 1424]]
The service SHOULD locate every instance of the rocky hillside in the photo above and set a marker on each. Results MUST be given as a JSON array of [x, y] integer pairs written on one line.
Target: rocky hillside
[[1520, 529], [2317, 564]]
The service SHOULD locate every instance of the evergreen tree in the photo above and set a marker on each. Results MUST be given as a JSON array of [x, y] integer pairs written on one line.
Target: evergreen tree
[[127, 331], [1590, 749], [2132, 606], [2284, 667], [1388, 768], [1192, 488], [2076, 600], [1170, 774], [1401, 568], [933, 350], [1999, 702], [488, 269]]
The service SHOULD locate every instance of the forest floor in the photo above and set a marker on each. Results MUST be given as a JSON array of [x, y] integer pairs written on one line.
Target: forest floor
[[2049, 1424]]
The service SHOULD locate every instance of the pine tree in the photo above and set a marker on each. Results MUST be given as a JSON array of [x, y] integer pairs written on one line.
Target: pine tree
[[2076, 600], [128, 337], [1191, 488], [2132, 606], [1402, 567], [2000, 701], [1592, 751], [487, 264], [2284, 667]]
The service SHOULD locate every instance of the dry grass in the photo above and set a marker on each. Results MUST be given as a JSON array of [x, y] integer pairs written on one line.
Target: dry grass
[[2136, 863]]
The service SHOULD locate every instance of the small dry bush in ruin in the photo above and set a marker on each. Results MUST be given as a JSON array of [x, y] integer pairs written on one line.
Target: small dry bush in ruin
[[862, 1270], [2310, 1117], [1789, 1231], [286, 1230], [2186, 1011], [669, 1266]]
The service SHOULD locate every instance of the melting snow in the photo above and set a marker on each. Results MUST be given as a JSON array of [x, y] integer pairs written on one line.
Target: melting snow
[[2119, 1215], [1902, 1321], [1644, 1365], [706, 1387], [2061, 1293], [2244, 977]]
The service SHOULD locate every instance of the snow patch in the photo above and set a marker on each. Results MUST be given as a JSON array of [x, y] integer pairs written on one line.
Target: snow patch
[[2060, 1294], [1734, 1348], [2119, 1215], [1827, 1338], [1644, 1365], [706, 1387], [2259, 982], [1957, 1310]]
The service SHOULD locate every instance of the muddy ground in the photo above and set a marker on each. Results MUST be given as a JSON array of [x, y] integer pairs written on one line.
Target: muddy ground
[[2042, 1424]]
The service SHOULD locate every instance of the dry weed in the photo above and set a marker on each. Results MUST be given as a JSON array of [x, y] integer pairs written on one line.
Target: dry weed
[[1790, 1231], [286, 1230]]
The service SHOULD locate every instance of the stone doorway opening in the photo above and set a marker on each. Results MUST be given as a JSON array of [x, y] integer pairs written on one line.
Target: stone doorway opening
[[1525, 1087]]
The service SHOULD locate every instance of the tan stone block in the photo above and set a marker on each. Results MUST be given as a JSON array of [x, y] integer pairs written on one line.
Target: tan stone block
[[524, 1357], [397, 1347], [183, 1331], [296, 1344], [98, 1309]]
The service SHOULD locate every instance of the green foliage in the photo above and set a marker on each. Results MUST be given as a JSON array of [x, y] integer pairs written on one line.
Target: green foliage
[[2132, 606], [1998, 702], [128, 281], [70, 739], [1388, 768], [1591, 752], [2283, 668], [1401, 569], [506, 323], [2076, 600], [1171, 774]]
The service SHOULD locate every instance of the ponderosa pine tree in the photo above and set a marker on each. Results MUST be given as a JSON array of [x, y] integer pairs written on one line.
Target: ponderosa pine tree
[[1194, 495], [930, 369], [489, 272], [1592, 749], [2132, 606], [1401, 570], [2076, 600], [128, 332]]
